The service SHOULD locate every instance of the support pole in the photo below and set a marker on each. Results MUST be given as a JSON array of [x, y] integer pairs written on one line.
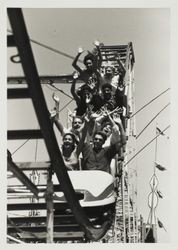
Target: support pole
[[123, 204], [50, 212]]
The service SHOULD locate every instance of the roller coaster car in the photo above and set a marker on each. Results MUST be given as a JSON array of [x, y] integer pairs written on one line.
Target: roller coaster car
[[94, 188]]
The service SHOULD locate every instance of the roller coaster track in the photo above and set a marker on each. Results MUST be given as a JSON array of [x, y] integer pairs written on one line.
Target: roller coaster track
[[78, 220]]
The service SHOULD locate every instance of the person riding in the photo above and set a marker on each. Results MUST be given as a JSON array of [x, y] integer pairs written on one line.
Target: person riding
[[97, 157], [90, 75], [70, 151], [77, 121], [85, 98]]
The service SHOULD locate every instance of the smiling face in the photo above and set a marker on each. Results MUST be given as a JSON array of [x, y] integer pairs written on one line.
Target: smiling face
[[107, 129], [98, 142], [68, 142], [109, 72], [107, 93], [77, 123], [89, 64]]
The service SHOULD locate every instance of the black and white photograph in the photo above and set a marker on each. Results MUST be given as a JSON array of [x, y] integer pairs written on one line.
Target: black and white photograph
[[90, 154]]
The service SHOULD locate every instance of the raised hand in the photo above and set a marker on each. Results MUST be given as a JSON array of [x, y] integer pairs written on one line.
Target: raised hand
[[56, 98], [80, 50], [96, 43], [75, 75], [116, 118]]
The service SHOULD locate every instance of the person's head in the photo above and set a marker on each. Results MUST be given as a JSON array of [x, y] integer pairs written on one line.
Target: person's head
[[109, 71], [89, 62], [86, 92], [107, 91], [77, 122], [99, 139], [107, 128], [69, 141]]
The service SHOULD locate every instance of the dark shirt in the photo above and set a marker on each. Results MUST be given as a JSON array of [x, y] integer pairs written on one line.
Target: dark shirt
[[100, 160], [110, 104], [95, 104], [92, 79]]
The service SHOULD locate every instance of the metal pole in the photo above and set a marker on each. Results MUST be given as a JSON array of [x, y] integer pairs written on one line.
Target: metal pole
[[50, 213]]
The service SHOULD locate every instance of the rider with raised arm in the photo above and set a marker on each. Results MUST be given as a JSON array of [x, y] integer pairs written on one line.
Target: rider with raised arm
[[90, 74]]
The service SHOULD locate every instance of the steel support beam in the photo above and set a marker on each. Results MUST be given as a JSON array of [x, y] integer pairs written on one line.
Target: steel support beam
[[30, 70], [58, 236], [50, 211], [21, 176], [18, 93], [33, 165], [35, 206], [58, 219], [24, 134], [48, 79], [10, 41], [38, 229]]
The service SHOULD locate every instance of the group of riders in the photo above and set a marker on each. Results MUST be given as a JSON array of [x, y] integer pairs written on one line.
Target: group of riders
[[97, 133]]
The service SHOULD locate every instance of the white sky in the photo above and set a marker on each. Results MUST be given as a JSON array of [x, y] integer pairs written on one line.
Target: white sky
[[149, 31]]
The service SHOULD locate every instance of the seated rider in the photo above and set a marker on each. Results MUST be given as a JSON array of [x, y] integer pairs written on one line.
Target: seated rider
[[108, 98], [95, 157], [110, 78], [111, 127], [90, 75], [77, 122], [70, 151], [85, 98]]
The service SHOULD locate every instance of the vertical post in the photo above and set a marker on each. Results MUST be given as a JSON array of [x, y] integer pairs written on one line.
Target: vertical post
[[142, 238], [128, 207], [50, 213], [154, 232], [123, 204]]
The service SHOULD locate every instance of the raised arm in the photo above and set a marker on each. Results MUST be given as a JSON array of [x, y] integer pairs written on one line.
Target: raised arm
[[55, 114], [73, 87], [59, 125], [121, 129], [83, 137], [74, 64], [99, 57]]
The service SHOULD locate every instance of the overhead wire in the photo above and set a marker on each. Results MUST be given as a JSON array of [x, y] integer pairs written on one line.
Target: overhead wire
[[144, 147], [150, 102], [152, 120], [61, 91], [20, 146], [49, 48]]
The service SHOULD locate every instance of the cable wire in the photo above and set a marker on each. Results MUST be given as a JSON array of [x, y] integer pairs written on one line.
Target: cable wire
[[152, 120], [144, 147], [65, 105], [149, 102], [61, 91], [49, 48], [20, 146]]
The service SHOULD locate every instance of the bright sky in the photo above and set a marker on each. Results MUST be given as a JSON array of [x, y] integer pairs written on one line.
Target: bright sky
[[66, 30]]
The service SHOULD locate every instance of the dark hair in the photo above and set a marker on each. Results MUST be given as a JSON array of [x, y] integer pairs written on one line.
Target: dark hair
[[104, 124], [72, 135], [78, 117], [84, 88], [102, 134], [88, 57], [111, 67], [107, 85]]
